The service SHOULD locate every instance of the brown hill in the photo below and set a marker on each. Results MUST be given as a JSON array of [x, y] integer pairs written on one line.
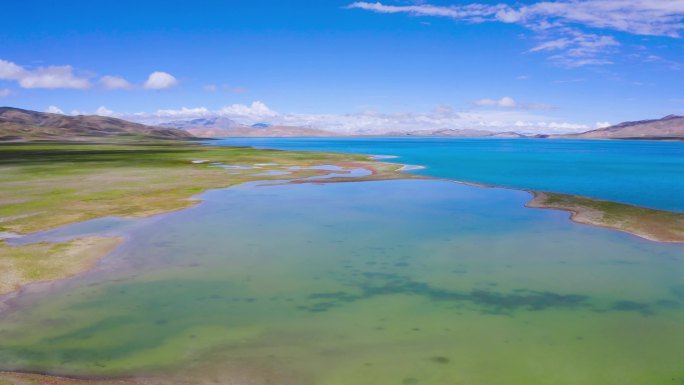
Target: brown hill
[[19, 124], [670, 127]]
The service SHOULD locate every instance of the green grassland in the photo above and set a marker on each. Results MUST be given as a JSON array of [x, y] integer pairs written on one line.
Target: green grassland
[[52, 184]]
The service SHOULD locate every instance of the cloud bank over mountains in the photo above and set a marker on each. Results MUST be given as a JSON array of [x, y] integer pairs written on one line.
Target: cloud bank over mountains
[[368, 122]]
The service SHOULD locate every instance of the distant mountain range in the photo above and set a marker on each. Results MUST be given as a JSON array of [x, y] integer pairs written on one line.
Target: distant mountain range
[[217, 122], [18, 124], [670, 127], [270, 131], [220, 127]]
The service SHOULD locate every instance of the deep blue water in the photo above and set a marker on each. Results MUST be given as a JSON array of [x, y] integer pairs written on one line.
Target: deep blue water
[[644, 173]]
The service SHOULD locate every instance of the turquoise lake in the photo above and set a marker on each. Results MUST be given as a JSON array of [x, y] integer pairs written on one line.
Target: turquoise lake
[[408, 282], [643, 173]]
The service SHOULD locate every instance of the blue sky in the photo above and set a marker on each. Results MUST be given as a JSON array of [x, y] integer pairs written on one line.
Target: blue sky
[[530, 66]]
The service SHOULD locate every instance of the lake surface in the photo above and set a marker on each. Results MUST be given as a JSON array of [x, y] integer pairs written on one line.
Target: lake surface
[[397, 282], [643, 173]]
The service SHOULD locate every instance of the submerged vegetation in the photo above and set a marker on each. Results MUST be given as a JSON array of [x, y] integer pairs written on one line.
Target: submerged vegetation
[[46, 185]]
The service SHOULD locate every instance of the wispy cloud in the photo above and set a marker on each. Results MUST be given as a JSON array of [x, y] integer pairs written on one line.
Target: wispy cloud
[[5, 92], [42, 77], [580, 49], [672, 64], [640, 17], [559, 23]]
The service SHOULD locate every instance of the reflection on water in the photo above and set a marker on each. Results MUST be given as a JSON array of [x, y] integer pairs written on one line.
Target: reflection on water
[[401, 282]]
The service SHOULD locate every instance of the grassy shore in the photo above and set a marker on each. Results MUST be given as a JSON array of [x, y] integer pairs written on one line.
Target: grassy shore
[[46, 185], [655, 225]]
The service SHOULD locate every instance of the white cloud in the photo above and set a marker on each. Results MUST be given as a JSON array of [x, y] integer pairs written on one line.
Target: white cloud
[[558, 22], [603, 124], [42, 77], [5, 92], [54, 110], [210, 88], [160, 80], [564, 126], [256, 111], [183, 113], [10, 71], [104, 111], [115, 83]]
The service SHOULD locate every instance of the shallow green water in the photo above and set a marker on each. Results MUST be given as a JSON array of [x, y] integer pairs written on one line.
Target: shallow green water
[[402, 282]]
